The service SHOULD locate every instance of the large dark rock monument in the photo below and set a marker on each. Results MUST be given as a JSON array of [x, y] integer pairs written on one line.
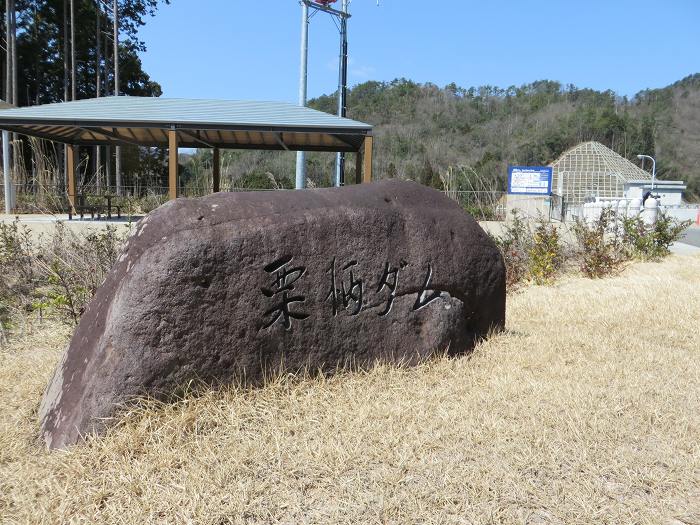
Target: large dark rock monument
[[235, 285]]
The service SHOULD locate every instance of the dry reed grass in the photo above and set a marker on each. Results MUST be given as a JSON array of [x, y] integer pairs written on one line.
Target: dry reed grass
[[586, 411]]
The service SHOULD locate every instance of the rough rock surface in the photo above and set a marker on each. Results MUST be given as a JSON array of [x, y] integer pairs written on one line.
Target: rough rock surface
[[235, 285]]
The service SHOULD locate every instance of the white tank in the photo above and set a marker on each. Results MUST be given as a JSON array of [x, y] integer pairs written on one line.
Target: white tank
[[651, 211], [590, 213], [613, 206], [634, 207], [622, 208]]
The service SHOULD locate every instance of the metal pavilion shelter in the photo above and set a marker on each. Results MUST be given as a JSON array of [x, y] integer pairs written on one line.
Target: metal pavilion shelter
[[191, 123]]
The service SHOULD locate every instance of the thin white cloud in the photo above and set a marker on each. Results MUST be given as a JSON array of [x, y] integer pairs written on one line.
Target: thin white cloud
[[361, 71]]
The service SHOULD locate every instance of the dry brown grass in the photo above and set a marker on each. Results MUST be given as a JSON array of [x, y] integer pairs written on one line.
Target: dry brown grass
[[586, 411]]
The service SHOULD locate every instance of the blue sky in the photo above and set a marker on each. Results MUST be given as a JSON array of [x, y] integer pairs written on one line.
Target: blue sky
[[249, 49]]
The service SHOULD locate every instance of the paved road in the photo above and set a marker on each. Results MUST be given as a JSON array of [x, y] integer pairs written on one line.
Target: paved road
[[692, 236]]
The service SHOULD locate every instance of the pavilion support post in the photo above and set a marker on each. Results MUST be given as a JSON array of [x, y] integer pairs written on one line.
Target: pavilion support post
[[363, 162], [172, 164], [216, 170], [71, 165], [367, 159]]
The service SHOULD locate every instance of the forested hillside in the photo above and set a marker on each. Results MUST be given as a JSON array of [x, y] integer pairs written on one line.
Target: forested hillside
[[422, 129]]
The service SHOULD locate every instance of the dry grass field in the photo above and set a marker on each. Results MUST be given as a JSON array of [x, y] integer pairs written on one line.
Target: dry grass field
[[587, 410]]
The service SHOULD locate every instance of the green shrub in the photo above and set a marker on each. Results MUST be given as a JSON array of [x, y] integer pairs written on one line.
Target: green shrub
[[545, 253], [17, 269], [645, 242], [528, 254], [257, 180], [599, 247], [73, 266], [515, 243], [59, 276]]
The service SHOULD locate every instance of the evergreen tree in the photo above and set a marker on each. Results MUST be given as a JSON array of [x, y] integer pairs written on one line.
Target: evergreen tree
[[41, 49]]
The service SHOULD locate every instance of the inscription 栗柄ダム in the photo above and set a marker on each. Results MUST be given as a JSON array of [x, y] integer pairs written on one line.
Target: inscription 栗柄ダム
[[347, 290]]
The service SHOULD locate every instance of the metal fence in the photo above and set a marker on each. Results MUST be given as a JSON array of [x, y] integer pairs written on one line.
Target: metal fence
[[134, 199], [32, 198], [557, 208]]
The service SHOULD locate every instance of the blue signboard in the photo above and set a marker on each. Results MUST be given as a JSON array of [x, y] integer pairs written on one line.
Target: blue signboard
[[529, 180]]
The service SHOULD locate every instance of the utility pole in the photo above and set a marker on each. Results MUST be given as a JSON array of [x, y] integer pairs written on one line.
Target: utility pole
[[13, 14], [98, 82], [65, 85], [342, 17], [9, 204], [8, 51], [9, 93], [7, 176], [74, 84], [301, 155], [98, 50], [342, 89], [115, 9], [65, 50], [107, 149], [117, 149]]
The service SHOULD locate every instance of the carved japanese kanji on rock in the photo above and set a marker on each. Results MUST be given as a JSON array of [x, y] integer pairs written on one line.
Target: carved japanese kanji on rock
[[235, 286]]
